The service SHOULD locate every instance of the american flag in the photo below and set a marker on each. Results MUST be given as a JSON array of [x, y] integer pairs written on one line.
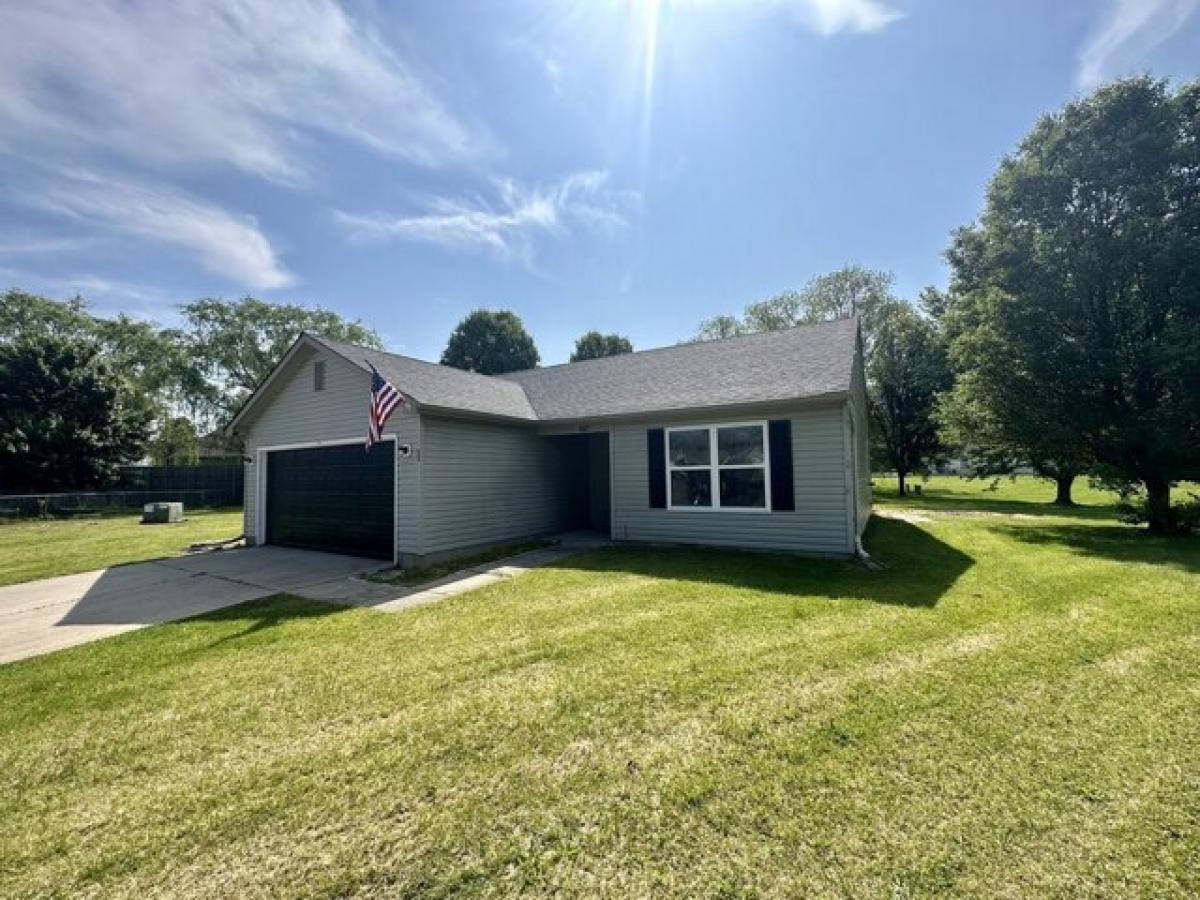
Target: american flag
[[384, 400]]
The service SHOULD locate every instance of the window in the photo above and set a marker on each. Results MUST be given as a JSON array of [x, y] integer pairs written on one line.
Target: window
[[319, 375], [718, 467]]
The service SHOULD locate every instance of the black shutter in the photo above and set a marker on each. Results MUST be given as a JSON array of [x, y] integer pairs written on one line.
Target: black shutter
[[656, 467], [783, 495]]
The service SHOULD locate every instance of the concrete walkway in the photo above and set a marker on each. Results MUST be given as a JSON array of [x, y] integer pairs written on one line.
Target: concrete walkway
[[41, 616], [395, 598]]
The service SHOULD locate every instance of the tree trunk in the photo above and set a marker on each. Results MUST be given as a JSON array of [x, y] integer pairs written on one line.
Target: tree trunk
[[900, 479], [1158, 504], [1062, 490]]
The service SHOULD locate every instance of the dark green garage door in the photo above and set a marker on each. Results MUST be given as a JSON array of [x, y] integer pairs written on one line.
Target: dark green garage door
[[332, 498]]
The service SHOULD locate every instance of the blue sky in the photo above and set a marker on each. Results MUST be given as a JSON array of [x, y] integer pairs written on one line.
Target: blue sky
[[626, 165]]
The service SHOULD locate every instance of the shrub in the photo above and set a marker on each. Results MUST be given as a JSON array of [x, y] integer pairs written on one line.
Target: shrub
[[1183, 517]]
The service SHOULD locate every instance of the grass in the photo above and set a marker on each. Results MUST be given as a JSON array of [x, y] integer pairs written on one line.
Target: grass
[[1023, 489], [422, 574], [43, 548], [1023, 495], [1007, 709]]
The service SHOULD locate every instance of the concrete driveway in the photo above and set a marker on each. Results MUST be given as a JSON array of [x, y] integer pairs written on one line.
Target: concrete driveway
[[41, 616]]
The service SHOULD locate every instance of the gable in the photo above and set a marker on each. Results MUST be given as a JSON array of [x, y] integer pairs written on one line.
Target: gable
[[288, 401]]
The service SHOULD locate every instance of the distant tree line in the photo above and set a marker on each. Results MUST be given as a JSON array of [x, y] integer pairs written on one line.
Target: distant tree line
[[82, 394], [492, 342]]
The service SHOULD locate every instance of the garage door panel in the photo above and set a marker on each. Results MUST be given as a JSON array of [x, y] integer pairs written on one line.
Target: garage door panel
[[339, 499]]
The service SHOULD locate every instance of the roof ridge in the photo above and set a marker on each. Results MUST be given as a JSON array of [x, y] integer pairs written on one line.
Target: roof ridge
[[682, 344], [412, 359], [340, 347], [506, 376]]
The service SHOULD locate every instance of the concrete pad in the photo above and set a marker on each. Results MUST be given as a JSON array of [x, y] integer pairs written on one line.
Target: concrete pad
[[279, 568], [47, 615]]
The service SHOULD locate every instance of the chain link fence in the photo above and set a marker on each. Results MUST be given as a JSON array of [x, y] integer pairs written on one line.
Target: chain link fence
[[194, 486]]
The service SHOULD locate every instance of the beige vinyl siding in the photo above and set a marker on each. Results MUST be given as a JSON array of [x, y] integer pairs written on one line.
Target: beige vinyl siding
[[818, 525], [485, 483], [296, 414]]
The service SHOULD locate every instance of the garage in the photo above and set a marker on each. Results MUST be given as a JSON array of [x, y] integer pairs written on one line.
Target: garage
[[339, 499]]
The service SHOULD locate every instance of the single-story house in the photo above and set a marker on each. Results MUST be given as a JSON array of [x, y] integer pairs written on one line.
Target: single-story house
[[758, 441]]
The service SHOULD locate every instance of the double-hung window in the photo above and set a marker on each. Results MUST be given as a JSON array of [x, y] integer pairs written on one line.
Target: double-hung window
[[718, 467]]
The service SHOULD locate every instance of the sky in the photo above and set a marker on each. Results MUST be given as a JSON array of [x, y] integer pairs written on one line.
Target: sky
[[624, 165]]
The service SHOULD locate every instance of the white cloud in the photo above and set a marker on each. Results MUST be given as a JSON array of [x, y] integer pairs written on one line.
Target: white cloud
[[224, 82], [827, 17], [507, 225], [31, 246], [832, 16], [228, 244], [1130, 29]]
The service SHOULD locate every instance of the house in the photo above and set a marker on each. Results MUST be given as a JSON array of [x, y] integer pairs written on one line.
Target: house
[[757, 441]]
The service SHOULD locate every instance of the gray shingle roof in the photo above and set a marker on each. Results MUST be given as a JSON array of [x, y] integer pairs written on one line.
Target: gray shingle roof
[[435, 385], [800, 363], [803, 362]]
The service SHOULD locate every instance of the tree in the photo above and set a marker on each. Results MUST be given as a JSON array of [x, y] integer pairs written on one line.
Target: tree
[[236, 343], [1083, 275], [906, 373], [154, 361], [175, 444], [851, 290], [1005, 416], [719, 327], [66, 419], [594, 345], [490, 342], [26, 314]]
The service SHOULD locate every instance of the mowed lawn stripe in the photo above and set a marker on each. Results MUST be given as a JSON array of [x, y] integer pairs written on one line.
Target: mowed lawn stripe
[[994, 712]]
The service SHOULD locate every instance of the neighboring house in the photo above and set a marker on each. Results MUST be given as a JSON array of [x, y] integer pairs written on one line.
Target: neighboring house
[[757, 441]]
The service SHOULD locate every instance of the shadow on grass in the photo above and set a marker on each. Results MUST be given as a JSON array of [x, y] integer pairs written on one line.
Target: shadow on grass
[[919, 568], [264, 614], [1120, 543]]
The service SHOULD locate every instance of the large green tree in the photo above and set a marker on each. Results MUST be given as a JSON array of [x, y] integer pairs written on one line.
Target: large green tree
[[1004, 416], [236, 343], [594, 345], [490, 342], [906, 373], [1078, 290], [154, 361], [67, 419]]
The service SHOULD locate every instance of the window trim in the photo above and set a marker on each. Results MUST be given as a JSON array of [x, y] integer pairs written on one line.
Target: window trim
[[320, 375], [714, 467]]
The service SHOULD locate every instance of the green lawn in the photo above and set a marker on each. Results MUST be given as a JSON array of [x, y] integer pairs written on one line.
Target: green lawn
[[1009, 708], [37, 548], [1023, 494], [987, 491]]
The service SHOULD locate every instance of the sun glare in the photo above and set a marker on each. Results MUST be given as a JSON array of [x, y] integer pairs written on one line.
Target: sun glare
[[646, 18]]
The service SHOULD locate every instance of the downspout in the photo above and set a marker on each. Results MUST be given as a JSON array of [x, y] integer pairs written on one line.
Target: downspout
[[860, 552]]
